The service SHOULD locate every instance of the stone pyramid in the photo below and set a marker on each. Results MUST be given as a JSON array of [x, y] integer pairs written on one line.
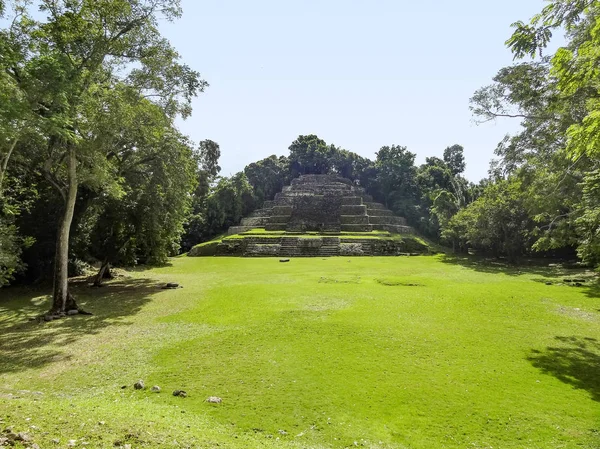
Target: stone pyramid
[[324, 204]]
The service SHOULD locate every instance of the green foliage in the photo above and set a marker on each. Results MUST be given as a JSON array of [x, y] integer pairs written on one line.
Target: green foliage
[[88, 95], [310, 155], [496, 223], [268, 176], [396, 180], [455, 159], [10, 251]]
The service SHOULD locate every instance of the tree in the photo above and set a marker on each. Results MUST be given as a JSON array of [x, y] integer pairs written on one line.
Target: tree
[[310, 155], [66, 66], [267, 177], [496, 223], [554, 158], [455, 159], [396, 180]]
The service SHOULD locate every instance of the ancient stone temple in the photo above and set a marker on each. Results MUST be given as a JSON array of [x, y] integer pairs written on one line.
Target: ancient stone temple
[[326, 204], [318, 215]]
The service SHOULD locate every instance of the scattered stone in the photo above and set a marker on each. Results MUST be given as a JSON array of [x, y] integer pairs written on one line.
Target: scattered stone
[[123, 387], [180, 393], [139, 385], [214, 400], [567, 280], [171, 285], [548, 283], [155, 389], [578, 284], [578, 280], [282, 432], [284, 260], [22, 436], [73, 312], [56, 441], [48, 318], [101, 423], [72, 443]]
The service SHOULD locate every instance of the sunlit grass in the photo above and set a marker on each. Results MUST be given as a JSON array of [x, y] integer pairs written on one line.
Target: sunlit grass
[[379, 352]]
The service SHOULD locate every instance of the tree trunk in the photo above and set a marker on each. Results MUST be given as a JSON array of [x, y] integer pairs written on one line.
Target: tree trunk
[[5, 163], [61, 297], [102, 273]]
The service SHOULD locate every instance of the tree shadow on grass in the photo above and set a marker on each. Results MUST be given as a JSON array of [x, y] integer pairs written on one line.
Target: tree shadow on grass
[[29, 344], [545, 268], [541, 267], [574, 361]]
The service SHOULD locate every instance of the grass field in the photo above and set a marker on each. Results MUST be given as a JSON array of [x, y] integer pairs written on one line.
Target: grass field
[[409, 352]]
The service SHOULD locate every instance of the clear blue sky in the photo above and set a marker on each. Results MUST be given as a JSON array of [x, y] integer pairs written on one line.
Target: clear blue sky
[[359, 74]]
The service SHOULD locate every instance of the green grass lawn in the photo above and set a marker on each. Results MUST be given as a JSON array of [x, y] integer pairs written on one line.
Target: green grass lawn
[[408, 352]]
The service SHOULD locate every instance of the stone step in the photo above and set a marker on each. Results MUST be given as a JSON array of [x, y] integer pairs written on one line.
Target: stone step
[[397, 229], [279, 219], [263, 212], [356, 228], [380, 212], [354, 219], [353, 210], [375, 206], [254, 221], [387, 220], [351, 201], [282, 210]]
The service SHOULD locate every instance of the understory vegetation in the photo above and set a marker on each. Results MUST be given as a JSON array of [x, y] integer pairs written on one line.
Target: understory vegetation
[[380, 352]]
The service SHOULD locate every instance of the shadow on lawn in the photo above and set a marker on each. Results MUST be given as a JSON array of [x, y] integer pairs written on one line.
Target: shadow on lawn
[[574, 361], [546, 269], [29, 344]]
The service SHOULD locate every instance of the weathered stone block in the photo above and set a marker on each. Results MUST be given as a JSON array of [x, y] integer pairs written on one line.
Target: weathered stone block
[[356, 228], [397, 229], [353, 210], [354, 219], [255, 221], [375, 206], [351, 201], [381, 212], [265, 250], [387, 220], [310, 243], [351, 249], [282, 210]]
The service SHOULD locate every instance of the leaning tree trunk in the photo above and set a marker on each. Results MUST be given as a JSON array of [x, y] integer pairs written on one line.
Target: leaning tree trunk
[[61, 299], [103, 273]]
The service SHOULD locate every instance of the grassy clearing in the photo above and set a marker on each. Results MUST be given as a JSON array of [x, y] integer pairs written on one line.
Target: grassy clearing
[[417, 352]]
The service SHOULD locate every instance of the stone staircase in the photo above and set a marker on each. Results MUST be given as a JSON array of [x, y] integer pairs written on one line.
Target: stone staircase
[[330, 246], [288, 246]]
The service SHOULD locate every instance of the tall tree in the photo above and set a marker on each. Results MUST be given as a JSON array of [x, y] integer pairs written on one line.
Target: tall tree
[[310, 155], [455, 159], [396, 180], [66, 65]]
